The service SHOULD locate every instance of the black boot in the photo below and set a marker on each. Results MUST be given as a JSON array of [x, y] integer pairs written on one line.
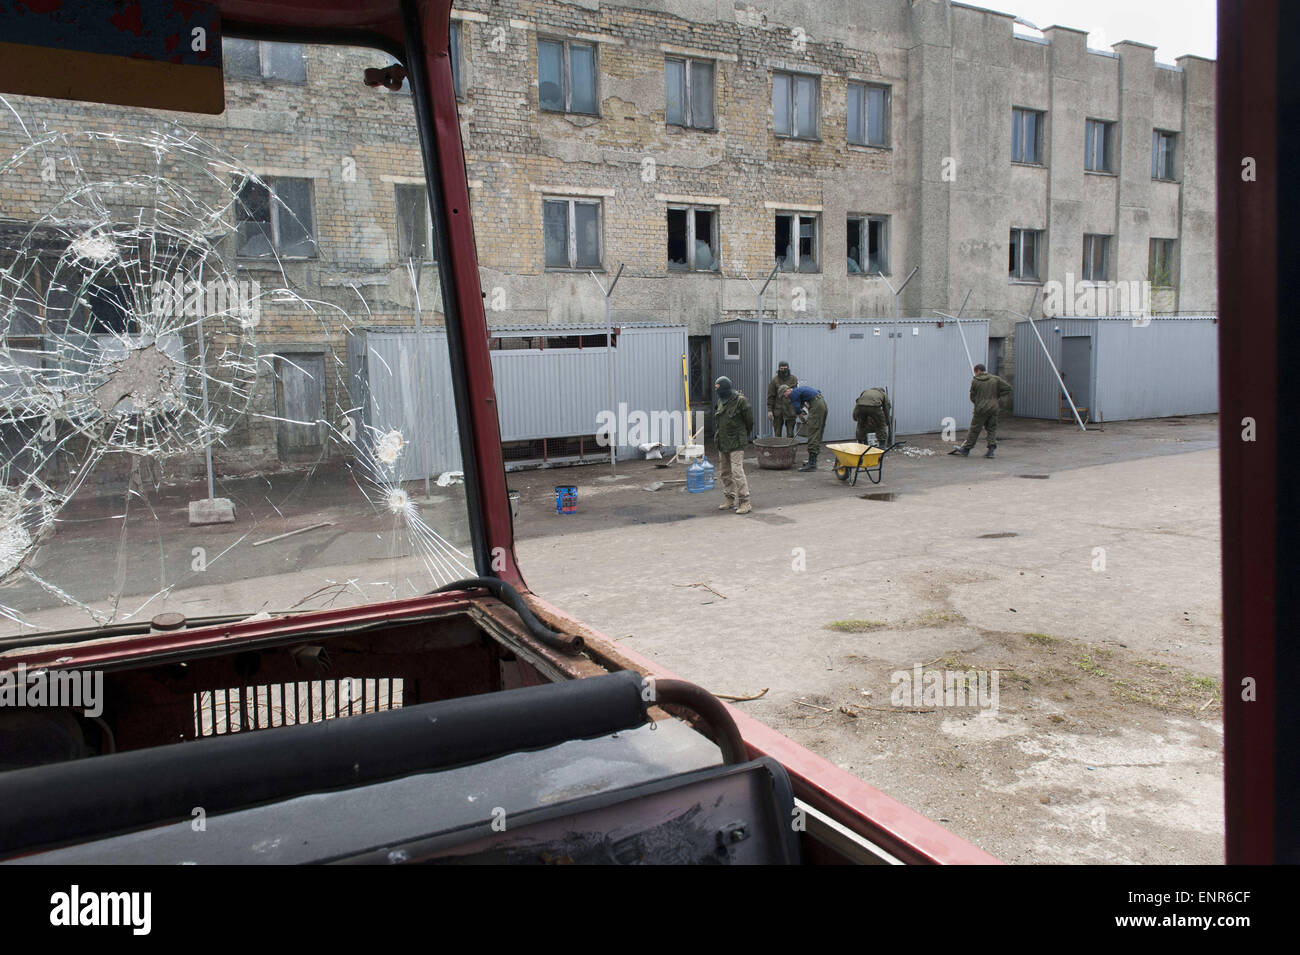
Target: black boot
[[811, 463], [988, 453]]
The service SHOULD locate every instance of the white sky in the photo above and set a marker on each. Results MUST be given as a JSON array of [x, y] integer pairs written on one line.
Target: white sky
[[1174, 27]]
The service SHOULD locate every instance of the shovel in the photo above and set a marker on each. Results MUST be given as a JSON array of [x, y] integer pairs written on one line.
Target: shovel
[[686, 388]]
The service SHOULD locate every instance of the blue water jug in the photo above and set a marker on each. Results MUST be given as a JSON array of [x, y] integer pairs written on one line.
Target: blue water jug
[[699, 476]]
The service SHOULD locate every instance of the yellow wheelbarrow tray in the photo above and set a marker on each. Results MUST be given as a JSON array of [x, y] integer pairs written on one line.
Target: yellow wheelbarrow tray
[[852, 459]]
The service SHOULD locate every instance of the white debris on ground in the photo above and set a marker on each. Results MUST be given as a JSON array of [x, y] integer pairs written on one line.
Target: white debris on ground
[[448, 478], [913, 452]]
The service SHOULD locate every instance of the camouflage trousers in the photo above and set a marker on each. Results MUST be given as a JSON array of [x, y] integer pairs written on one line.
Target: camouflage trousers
[[988, 420], [875, 421]]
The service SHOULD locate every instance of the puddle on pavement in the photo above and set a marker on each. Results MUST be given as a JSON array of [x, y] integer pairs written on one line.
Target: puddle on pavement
[[879, 496]]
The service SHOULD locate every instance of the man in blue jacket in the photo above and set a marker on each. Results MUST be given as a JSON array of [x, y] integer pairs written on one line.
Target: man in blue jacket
[[810, 406]]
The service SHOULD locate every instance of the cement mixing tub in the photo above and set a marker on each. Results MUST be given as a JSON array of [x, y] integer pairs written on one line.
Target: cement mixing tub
[[776, 454]]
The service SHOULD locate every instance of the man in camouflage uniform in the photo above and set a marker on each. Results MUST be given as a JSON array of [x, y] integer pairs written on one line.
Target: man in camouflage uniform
[[733, 420], [779, 411], [809, 405], [871, 412], [986, 394]]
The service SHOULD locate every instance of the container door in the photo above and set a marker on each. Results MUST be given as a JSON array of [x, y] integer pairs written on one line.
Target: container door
[[1076, 368]]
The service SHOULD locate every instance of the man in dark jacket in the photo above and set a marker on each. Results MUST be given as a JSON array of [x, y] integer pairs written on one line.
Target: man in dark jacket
[[810, 406], [986, 394], [733, 420], [779, 411], [871, 412]]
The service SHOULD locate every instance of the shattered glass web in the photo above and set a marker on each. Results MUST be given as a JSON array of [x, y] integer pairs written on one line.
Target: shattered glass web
[[128, 349]]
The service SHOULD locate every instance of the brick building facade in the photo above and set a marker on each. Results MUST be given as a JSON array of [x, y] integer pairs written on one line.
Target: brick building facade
[[696, 144]]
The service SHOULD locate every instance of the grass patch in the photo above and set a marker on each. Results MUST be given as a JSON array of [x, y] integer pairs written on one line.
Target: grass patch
[[1087, 659], [940, 616], [1204, 683], [856, 626], [1042, 639]]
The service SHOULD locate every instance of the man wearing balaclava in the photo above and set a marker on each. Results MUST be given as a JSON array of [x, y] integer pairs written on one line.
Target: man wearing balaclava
[[779, 411], [733, 420]]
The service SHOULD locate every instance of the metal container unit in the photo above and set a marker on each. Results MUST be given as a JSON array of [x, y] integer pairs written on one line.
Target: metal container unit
[[922, 363], [541, 392], [1119, 368]]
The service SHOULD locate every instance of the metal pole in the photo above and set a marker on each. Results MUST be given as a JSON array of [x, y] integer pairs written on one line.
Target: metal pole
[[762, 343], [1059, 379], [893, 374], [609, 363], [203, 378], [957, 318], [419, 365], [970, 361]]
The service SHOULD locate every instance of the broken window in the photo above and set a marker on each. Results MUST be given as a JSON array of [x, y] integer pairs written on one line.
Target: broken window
[[275, 218], [1027, 136], [414, 228], [1096, 258], [688, 92], [1162, 154], [571, 231], [111, 309], [454, 52], [796, 242], [261, 59], [692, 239], [868, 245], [1161, 264], [1099, 146], [794, 105], [566, 76], [868, 115], [1025, 247]]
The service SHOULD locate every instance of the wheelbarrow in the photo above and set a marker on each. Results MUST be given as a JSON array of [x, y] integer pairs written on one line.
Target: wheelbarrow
[[852, 459]]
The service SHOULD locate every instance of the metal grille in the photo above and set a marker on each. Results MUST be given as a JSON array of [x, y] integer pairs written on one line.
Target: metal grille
[[242, 708]]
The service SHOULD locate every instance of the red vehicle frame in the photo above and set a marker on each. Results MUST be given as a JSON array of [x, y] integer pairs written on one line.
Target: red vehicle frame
[[1259, 735]]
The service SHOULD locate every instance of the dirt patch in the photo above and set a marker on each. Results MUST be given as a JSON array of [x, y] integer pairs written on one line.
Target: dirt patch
[[1081, 738]]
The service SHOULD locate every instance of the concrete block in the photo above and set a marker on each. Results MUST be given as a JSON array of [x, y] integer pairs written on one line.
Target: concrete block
[[216, 511]]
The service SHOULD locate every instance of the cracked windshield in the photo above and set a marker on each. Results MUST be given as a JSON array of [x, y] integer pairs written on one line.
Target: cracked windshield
[[862, 371], [224, 382]]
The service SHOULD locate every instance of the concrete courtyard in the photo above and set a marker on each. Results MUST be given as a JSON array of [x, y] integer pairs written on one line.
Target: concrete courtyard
[[1083, 568], [1080, 568]]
